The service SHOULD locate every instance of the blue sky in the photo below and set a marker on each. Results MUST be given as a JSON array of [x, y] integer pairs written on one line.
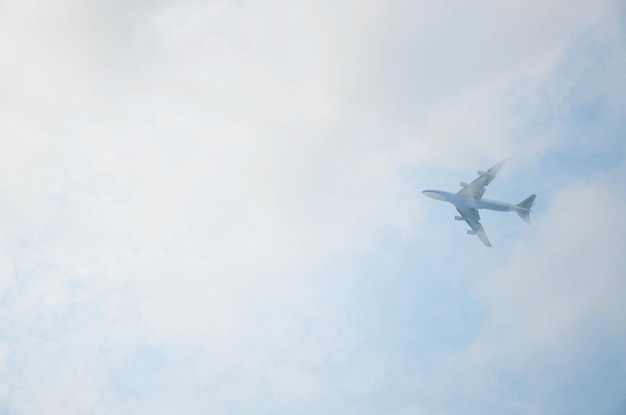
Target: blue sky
[[215, 207]]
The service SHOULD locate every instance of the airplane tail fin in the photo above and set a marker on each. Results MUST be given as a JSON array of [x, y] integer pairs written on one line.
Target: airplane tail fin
[[526, 204]]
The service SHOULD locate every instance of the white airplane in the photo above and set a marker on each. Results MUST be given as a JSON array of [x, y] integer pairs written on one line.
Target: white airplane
[[469, 199]]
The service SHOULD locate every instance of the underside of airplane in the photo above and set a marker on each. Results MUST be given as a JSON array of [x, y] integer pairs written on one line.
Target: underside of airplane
[[470, 198]]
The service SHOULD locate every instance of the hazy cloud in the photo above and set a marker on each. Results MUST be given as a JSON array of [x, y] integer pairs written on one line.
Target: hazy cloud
[[214, 206]]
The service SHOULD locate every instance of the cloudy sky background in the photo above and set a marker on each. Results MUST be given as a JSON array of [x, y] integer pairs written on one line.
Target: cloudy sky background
[[214, 207]]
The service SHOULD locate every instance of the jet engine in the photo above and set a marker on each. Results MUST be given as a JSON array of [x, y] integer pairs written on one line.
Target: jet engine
[[481, 173], [458, 218], [471, 232], [464, 185]]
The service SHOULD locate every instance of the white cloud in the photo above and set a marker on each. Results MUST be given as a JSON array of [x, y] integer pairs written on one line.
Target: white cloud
[[187, 176], [577, 262], [545, 304], [6, 273]]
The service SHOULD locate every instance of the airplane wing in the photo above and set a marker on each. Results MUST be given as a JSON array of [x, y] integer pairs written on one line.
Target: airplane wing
[[472, 217], [476, 189]]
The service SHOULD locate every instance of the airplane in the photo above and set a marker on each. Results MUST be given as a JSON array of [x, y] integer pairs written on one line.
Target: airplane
[[469, 199]]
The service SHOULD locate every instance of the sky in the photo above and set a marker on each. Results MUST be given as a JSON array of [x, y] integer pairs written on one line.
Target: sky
[[214, 207]]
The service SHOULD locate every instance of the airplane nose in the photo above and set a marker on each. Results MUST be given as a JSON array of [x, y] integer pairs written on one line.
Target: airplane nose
[[434, 195]]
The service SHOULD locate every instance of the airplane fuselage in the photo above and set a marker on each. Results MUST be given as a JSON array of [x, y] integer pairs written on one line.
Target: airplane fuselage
[[470, 202], [470, 198]]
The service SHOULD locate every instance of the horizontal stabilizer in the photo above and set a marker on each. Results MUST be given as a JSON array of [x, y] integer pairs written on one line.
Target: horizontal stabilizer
[[526, 204]]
